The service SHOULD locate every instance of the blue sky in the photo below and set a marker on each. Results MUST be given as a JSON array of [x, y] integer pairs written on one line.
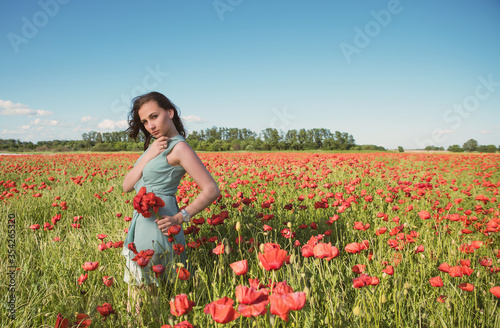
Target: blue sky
[[409, 72]]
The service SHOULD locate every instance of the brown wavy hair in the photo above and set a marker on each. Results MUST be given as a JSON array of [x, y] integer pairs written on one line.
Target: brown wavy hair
[[135, 125]]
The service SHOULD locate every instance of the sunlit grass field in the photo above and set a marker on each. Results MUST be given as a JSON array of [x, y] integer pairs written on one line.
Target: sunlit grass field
[[371, 239]]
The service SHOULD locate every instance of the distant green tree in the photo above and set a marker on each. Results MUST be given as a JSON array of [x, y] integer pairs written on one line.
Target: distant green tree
[[433, 148], [401, 149], [487, 149], [470, 145], [455, 149]]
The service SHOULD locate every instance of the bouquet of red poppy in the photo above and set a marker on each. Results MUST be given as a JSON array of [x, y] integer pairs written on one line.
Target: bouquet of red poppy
[[145, 201]]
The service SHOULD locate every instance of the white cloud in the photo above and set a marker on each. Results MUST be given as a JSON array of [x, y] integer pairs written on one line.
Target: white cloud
[[485, 131], [113, 125], [45, 122], [447, 131], [193, 119], [88, 118], [7, 107], [5, 131]]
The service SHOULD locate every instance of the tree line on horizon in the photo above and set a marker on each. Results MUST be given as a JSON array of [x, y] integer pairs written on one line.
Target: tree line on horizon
[[210, 139], [226, 139]]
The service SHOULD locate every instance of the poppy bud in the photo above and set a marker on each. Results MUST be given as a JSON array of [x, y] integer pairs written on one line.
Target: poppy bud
[[356, 311], [238, 226], [383, 299], [306, 290], [289, 225]]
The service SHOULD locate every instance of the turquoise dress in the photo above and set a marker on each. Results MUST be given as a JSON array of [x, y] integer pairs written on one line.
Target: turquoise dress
[[160, 177]]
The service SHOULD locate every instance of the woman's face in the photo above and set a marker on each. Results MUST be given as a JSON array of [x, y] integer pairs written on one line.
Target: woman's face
[[156, 120]]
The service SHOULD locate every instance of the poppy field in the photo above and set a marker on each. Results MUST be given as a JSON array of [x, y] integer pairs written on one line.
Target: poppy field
[[294, 240]]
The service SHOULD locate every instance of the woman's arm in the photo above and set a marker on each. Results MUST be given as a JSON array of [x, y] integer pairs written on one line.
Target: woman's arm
[[187, 158], [158, 146]]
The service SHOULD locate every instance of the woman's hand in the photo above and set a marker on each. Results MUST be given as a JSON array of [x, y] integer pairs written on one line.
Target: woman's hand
[[168, 221], [158, 146]]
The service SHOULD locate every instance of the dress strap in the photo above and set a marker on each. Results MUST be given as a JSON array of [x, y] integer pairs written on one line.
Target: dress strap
[[172, 142]]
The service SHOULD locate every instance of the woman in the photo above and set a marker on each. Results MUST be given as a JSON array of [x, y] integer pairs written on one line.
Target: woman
[[160, 169]]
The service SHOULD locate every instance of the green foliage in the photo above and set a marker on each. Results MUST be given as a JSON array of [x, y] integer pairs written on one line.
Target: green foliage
[[487, 149], [455, 149], [433, 148], [470, 145], [401, 149]]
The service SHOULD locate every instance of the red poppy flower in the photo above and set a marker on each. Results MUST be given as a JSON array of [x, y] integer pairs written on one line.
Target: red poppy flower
[[83, 320], [486, 261], [219, 249], [222, 310], [307, 250], [326, 251], [105, 310], [144, 201], [466, 286], [61, 322], [174, 230], [142, 261], [181, 305], [272, 260], [295, 301], [456, 271], [255, 284], [424, 215], [389, 270], [178, 249], [253, 310], [270, 246], [495, 291], [183, 324], [101, 236], [444, 267], [436, 282], [82, 278], [354, 248], [90, 266], [279, 306], [131, 246], [158, 269], [281, 288], [35, 227], [441, 298], [359, 268], [239, 267], [248, 295], [108, 281], [183, 274]]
